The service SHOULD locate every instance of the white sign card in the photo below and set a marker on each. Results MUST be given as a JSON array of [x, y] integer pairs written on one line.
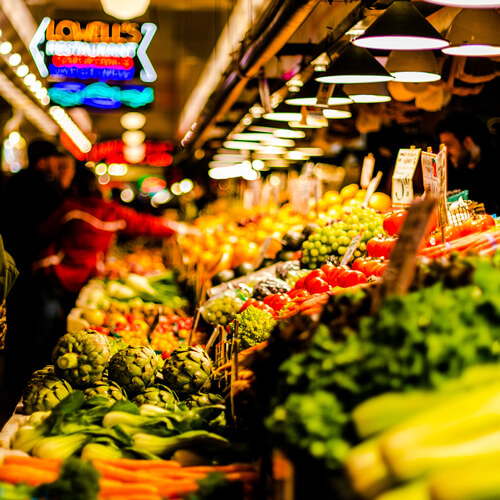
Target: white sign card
[[402, 179]]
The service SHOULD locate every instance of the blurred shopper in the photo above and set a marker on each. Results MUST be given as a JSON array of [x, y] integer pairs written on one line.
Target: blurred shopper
[[79, 234], [471, 164], [31, 195]]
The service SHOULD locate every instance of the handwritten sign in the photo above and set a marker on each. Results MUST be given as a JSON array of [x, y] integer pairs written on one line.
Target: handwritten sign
[[434, 170], [367, 170], [371, 189], [402, 180]]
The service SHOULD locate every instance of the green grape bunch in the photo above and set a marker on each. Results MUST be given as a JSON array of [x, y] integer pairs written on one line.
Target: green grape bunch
[[333, 240]]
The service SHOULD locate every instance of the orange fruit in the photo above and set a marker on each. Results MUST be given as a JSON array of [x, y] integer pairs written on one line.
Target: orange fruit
[[349, 191], [380, 202], [360, 195]]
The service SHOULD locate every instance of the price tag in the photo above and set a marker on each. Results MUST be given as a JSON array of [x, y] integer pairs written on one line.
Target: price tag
[[434, 170], [402, 180], [262, 252], [371, 189], [325, 91], [399, 273], [367, 170], [351, 249]]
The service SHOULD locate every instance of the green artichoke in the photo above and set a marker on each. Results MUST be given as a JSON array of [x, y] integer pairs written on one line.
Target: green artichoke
[[158, 395], [203, 399], [105, 388], [81, 358], [116, 345], [134, 368], [187, 370], [44, 393]]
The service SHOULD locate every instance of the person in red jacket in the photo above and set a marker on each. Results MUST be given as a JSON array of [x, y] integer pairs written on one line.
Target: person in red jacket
[[83, 228], [79, 234]]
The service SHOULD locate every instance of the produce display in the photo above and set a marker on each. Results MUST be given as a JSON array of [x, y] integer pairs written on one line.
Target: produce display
[[368, 395]]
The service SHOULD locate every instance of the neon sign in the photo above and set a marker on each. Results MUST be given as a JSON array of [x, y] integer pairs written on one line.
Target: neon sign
[[95, 51], [158, 153], [100, 95]]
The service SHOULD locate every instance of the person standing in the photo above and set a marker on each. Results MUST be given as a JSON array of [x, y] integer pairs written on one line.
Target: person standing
[[30, 196], [471, 163]]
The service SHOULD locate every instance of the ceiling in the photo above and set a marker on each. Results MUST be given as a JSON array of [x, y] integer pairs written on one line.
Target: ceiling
[[187, 32]]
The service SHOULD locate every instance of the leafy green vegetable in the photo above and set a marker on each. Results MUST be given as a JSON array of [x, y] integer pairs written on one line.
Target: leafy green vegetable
[[216, 487]]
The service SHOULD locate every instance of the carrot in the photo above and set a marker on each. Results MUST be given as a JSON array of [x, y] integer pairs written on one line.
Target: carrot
[[221, 468], [122, 475], [129, 463], [16, 474], [39, 463], [125, 496], [127, 489], [242, 476], [176, 474]]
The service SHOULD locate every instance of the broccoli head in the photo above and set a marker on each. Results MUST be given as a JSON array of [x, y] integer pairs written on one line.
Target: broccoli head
[[255, 326]]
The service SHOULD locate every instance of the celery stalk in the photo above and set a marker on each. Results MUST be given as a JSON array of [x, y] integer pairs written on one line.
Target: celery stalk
[[464, 426], [366, 469]]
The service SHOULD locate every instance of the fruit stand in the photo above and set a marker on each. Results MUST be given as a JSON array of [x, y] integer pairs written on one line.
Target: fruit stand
[[335, 362]]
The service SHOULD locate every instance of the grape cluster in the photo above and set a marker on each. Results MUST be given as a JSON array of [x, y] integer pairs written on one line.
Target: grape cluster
[[334, 239], [221, 310]]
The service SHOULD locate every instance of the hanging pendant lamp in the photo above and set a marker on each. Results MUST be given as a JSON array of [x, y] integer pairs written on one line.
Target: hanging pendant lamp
[[366, 93], [283, 113], [125, 9], [413, 66], [308, 96], [355, 65], [401, 27], [472, 4], [474, 33]]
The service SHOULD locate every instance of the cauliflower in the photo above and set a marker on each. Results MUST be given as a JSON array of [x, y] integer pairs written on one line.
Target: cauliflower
[[255, 326]]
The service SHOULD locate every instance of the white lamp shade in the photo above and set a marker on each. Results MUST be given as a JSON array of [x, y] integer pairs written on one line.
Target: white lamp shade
[[125, 9], [474, 33], [413, 66]]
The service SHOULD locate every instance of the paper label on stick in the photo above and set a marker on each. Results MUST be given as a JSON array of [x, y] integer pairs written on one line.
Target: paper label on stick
[[351, 249], [402, 180], [367, 171], [435, 181], [372, 187]]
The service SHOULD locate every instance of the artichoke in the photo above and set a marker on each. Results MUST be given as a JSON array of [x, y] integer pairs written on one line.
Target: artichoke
[[81, 357], [44, 393], [203, 399], [105, 388], [187, 370], [134, 368], [158, 395]]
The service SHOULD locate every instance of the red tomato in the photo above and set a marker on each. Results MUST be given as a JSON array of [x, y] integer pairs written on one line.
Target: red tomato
[[300, 283], [327, 268], [351, 278], [258, 304], [298, 294], [370, 266], [450, 233], [277, 301], [387, 247], [380, 268], [375, 247], [433, 222], [317, 273], [360, 263], [393, 221], [317, 285], [331, 278], [478, 224]]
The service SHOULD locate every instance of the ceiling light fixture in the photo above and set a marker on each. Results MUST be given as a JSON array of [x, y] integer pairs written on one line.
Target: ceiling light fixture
[[413, 66], [125, 9], [70, 128], [5, 48], [283, 113], [474, 33], [288, 133], [355, 65], [229, 158], [336, 114], [365, 93], [308, 96], [22, 70], [276, 141], [250, 136], [133, 120], [401, 27], [15, 59], [134, 154], [476, 4], [242, 145]]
